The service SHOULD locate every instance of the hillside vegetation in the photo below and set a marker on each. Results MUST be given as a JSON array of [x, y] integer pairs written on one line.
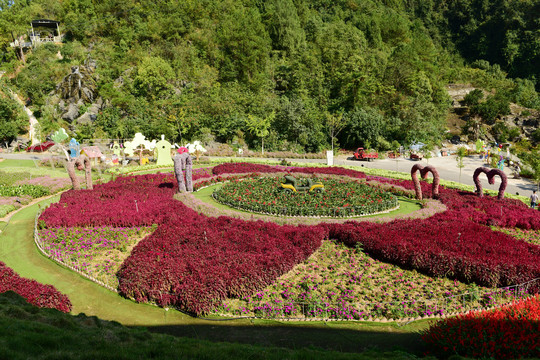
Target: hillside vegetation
[[294, 73]]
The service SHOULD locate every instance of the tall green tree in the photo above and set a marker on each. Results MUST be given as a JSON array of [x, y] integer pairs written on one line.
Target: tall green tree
[[12, 122], [260, 126]]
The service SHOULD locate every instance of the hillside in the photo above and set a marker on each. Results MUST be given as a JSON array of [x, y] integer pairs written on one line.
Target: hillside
[[30, 332], [291, 71]]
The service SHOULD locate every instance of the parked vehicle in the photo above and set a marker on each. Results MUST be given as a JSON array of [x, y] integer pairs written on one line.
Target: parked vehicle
[[416, 157], [361, 154]]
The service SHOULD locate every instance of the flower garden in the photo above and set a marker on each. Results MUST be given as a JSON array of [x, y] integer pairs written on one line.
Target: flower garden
[[340, 198], [19, 188], [133, 235]]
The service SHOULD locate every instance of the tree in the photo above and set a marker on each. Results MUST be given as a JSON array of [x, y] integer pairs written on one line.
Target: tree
[[12, 123], [532, 159], [335, 123], [259, 126], [364, 126], [153, 77], [460, 154]]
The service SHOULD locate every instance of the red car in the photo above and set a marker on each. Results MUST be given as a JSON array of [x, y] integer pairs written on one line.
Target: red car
[[40, 147], [361, 154]]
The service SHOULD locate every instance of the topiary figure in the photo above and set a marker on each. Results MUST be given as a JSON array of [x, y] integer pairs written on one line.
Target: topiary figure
[[491, 173], [424, 172], [81, 162], [182, 161]]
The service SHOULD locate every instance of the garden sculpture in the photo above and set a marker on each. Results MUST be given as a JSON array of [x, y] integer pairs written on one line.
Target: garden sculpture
[[491, 173], [74, 148], [140, 144], [182, 161], [423, 173], [291, 185], [116, 149], [163, 150], [59, 136], [81, 162]]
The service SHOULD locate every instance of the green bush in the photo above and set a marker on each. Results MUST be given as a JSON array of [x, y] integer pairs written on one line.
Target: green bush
[[35, 191]]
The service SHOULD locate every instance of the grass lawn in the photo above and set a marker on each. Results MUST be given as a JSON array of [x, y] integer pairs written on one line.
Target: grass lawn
[[27, 332]]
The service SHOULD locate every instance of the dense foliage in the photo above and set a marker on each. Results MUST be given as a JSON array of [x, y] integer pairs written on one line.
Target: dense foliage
[[339, 198], [34, 191], [35, 293], [281, 73], [12, 123], [510, 332]]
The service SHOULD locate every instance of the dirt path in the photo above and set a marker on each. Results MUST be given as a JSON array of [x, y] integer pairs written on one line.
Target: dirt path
[[33, 123]]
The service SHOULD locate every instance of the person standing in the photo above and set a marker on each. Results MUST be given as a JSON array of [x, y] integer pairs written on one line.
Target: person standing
[[534, 199]]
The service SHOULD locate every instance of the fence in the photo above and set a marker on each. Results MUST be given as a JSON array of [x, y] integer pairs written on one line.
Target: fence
[[39, 244]]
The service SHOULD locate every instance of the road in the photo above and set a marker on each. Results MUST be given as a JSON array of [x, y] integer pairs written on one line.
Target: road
[[446, 166]]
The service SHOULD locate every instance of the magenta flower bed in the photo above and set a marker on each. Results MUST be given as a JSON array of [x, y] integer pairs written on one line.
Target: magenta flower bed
[[127, 201], [487, 210], [37, 294], [240, 168], [193, 262]]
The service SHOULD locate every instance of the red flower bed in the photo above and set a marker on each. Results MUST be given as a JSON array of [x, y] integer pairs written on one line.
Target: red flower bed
[[487, 210], [127, 201], [37, 294], [510, 332], [241, 168], [195, 264], [454, 248], [193, 261]]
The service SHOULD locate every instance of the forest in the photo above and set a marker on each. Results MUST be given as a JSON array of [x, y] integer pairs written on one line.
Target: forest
[[289, 75]]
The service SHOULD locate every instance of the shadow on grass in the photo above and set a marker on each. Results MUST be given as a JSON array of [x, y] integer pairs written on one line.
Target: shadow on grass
[[322, 337]]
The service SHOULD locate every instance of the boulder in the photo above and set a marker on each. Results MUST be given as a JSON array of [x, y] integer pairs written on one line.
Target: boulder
[[71, 113], [84, 119]]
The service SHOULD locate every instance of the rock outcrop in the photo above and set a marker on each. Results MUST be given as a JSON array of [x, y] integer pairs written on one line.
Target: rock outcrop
[[76, 96]]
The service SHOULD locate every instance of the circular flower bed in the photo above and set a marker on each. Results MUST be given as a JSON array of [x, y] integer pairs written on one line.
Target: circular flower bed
[[341, 198]]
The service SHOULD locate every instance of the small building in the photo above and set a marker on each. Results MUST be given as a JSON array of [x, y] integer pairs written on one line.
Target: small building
[[93, 152], [41, 31]]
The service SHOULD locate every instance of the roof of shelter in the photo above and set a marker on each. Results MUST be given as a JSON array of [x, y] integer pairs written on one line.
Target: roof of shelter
[[45, 23], [92, 151]]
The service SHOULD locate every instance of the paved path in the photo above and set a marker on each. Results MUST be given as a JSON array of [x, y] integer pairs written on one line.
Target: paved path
[[446, 166]]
